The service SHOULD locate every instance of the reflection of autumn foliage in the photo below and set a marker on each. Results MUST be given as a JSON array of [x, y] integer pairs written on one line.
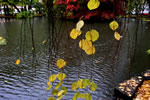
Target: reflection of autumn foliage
[[78, 8]]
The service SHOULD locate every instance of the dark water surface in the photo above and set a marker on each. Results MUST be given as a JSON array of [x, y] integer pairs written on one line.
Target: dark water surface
[[28, 80]]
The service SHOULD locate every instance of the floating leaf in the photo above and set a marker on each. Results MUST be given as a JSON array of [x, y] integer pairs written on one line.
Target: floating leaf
[[32, 49], [90, 50], [86, 82], [85, 44], [75, 97], [52, 78], [74, 85], [92, 35], [79, 83], [75, 33], [60, 92], [117, 36], [65, 90], [60, 97], [55, 92], [48, 82], [79, 25], [58, 85], [93, 86], [88, 96], [148, 51], [113, 25], [2, 41], [81, 95], [93, 4], [51, 98], [44, 41], [60, 63], [5, 81], [18, 61], [61, 76], [49, 87]]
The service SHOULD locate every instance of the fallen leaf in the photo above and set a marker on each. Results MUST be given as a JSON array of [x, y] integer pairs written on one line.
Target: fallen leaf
[[93, 4], [79, 25], [75, 33], [60, 63], [18, 61], [92, 35], [117, 36], [113, 25]]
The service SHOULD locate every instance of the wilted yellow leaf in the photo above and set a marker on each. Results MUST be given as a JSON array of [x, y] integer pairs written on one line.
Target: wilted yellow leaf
[[92, 35], [113, 25], [75, 33], [93, 4], [60, 63], [79, 25], [117, 36], [18, 61]]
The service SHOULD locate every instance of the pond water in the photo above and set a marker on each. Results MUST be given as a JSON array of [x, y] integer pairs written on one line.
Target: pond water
[[28, 80]]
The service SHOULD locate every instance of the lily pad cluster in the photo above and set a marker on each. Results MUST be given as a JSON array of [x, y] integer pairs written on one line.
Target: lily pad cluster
[[59, 91], [85, 44], [114, 26], [81, 84]]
